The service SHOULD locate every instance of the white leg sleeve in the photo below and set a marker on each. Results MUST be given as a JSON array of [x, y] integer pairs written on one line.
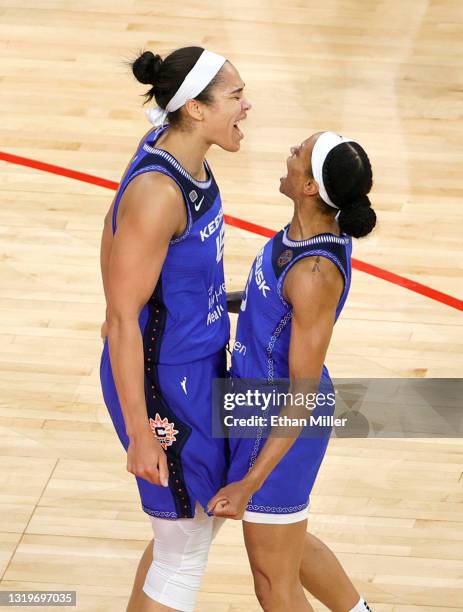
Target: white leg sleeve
[[180, 555], [217, 523]]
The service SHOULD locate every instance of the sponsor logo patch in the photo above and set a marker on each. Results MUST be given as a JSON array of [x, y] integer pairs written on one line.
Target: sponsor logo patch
[[211, 227], [259, 274]]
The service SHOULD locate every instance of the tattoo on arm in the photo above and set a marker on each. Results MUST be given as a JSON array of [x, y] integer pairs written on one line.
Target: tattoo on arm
[[316, 266]]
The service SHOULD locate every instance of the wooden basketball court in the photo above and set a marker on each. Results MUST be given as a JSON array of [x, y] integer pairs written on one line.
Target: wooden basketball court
[[387, 73]]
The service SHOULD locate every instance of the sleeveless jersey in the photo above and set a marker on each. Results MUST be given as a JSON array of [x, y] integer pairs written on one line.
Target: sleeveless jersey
[[263, 333], [186, 318]]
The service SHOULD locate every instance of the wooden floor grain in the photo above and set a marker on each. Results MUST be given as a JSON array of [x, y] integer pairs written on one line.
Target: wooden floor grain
[[387, 73]]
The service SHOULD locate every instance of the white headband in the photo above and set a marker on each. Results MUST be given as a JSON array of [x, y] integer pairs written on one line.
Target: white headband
[[325, 143], [202, 73]]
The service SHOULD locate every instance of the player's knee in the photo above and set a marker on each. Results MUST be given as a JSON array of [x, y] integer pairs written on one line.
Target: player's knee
[[274, 591], [262, 588], [263, 595], [276, 597], [179, 561]]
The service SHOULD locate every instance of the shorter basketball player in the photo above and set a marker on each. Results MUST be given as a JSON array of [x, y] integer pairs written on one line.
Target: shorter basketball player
[[295, 292]]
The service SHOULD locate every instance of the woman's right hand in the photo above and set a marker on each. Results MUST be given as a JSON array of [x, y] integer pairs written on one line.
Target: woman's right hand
[[147, 459]]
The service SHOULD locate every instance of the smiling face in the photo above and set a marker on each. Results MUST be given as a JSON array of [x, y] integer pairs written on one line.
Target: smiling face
[[221, 118], [299, 166]]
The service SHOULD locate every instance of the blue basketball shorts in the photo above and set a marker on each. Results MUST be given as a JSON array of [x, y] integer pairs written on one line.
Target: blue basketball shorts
[[285, 495], [179, 410]]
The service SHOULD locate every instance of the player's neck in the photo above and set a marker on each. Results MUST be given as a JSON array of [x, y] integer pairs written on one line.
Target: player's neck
[[188, 148], [308, 221]]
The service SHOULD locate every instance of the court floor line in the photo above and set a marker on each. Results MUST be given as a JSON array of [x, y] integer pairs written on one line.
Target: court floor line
[[363, 266]]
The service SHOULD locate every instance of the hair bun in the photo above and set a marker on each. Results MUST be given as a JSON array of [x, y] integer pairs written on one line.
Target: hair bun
[[361, 202], [146, 68], [358, 218]]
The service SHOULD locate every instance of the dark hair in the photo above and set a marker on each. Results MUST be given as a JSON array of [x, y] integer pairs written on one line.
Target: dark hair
[[166, 76], [348, 179]]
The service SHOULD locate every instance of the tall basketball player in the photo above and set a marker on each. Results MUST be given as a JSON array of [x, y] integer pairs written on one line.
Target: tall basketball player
[[296, 290], [167, 320]]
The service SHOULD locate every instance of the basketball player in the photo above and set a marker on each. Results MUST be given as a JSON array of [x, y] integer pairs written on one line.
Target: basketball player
[[295, 292], [167, 320]]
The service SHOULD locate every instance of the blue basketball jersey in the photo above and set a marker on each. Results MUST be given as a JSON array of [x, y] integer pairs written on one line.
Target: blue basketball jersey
[[186, 317], [264, 324]]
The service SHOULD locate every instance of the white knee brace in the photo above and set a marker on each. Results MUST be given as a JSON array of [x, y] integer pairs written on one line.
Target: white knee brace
[[181, 548]]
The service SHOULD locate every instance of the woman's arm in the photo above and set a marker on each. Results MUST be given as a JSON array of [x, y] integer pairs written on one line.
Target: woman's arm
[[151, 212], [313, 287], [106, 242]]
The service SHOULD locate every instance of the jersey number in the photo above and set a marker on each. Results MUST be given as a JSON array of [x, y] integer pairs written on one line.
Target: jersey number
[[220, 242]]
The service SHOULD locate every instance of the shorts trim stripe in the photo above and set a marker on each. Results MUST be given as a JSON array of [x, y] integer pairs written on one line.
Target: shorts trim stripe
[[276, 519]]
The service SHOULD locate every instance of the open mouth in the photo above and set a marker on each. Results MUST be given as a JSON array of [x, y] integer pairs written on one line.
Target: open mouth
[[237, 129]]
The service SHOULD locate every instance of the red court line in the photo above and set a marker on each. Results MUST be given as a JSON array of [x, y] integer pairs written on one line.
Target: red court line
[[363, 266], [74, 174]]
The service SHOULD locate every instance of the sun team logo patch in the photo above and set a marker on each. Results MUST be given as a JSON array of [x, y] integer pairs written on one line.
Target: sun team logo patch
[[285, 258], [163, 431]]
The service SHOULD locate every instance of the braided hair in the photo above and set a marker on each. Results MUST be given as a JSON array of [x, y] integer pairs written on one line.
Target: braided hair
[[348, 178]]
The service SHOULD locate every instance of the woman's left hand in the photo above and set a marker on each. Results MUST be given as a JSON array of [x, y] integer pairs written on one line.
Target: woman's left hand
[[231, 501]]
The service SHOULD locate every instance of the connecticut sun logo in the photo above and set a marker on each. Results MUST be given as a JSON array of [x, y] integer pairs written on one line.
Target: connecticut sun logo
[[163, 431]]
